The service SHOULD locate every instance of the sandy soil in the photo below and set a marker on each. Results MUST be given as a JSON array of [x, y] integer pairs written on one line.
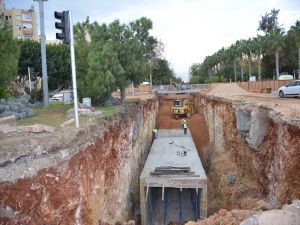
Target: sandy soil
[[289, 107]]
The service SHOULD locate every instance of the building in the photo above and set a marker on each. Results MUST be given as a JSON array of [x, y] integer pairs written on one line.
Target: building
[[23, 22], [53, 42], [2, 7]]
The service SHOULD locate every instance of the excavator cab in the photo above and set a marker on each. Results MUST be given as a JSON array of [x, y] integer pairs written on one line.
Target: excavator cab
[[177, 103], [181, 108]]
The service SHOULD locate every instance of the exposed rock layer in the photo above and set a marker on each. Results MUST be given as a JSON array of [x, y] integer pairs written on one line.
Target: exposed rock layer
[[255, 153], [89, 175]]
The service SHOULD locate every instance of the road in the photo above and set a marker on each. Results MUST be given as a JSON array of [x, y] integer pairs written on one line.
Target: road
[[288, 107]]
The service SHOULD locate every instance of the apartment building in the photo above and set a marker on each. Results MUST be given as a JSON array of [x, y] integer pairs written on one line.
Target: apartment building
[[2, 7], [23, 22]]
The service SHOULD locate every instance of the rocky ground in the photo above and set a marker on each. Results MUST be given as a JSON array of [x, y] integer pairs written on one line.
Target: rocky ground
[[288, 215]]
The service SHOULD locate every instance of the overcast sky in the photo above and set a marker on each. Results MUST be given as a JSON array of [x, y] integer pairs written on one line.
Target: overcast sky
[[189, 29]]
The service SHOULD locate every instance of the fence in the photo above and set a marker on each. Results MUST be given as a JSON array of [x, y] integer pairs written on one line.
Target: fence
[[257, 86], [184, 88]]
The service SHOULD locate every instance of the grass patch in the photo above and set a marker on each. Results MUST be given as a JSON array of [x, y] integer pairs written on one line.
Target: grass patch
[[54, 115]]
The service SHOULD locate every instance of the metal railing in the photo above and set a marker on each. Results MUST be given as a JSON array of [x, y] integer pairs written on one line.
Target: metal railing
[[184, 88]]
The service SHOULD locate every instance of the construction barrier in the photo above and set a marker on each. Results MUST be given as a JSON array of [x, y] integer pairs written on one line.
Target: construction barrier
[[258, 86]]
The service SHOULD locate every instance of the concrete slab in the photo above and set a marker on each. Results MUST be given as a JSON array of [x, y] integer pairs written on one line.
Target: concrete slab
[[168, 150], [178, 191]]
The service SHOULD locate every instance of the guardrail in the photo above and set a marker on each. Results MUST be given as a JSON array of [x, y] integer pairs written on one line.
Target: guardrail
[[185, 88]]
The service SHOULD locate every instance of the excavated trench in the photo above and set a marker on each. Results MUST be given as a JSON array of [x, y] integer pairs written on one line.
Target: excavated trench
[[91, 175]]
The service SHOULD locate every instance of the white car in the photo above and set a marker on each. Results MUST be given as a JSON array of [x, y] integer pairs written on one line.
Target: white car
[[286, 77], [290, 90], [58, 97]]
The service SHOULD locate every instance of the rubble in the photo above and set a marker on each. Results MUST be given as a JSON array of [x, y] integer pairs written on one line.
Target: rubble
[[288, 215]]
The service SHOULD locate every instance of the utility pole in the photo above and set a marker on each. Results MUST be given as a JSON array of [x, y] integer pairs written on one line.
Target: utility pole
[[43, 53]]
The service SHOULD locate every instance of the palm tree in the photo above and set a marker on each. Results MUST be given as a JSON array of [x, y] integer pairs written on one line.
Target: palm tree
[[276, 43], [295, 33], [258, 49], [241, 50], [232, 54], [248, 49]]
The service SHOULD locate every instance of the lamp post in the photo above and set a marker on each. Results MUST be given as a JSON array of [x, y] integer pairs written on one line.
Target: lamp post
[[43, 52]]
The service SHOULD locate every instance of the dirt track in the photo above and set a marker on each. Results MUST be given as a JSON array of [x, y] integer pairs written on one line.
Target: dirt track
[[197, 124]]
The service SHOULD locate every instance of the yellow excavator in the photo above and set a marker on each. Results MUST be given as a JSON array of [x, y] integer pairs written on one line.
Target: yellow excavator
[[181, 107]]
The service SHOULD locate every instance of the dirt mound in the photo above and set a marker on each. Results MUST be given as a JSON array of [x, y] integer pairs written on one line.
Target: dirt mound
[[227, 89]]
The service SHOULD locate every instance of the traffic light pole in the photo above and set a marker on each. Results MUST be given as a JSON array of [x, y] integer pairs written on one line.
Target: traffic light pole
[[73, 71]]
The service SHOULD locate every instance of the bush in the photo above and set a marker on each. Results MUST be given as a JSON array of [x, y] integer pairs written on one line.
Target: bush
[[20, 107], [215, 79], [36, 94], [4, 93]]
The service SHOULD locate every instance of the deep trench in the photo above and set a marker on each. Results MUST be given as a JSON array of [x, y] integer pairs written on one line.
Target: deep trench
[[239, 146], [178, 206]]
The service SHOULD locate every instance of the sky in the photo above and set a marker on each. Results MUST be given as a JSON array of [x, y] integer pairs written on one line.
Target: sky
[[189, 29]]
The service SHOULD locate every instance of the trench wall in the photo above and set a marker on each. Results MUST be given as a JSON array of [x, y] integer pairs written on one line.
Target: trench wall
[[93, 180], [254, 153]]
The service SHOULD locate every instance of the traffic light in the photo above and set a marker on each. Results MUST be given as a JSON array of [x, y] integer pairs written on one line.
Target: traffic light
[[63, 25]]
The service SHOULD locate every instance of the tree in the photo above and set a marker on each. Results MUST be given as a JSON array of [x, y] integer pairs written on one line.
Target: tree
[[274, 33], [30, 56], [294, 32], [232, 54], [269, 21], [59, 66], [58, 63], [275, 44], [82, 47], [117, 55], [9, 53], [258, 49], [162, 73]]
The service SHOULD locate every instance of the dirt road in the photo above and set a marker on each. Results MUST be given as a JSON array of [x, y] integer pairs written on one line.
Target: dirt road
[[289, 107]]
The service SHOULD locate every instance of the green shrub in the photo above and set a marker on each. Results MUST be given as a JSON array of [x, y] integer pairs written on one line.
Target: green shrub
[[215, 79], [36, 94], [4, 93]]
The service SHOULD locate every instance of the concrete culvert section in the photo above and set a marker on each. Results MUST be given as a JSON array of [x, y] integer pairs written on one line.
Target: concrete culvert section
[[173, 183]]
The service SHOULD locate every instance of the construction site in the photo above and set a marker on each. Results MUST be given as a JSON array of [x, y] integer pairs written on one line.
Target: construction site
[[237, 163]]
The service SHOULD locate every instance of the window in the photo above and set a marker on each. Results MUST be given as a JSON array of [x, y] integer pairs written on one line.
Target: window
[[18, 17], [18, 36], [27, 36], [6, 17], [292, 84], [26, 17], [19, 27], [27, 26]]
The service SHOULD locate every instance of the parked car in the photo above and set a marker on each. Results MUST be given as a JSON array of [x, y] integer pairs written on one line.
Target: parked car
[[58, 97], [286, 77], [290, 90]]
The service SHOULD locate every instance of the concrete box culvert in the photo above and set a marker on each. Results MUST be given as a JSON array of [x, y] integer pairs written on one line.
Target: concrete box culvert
[[173, 183]]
